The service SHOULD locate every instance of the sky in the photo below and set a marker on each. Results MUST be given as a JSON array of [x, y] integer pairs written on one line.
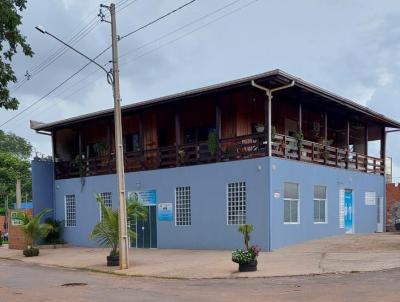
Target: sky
[[351, 48]]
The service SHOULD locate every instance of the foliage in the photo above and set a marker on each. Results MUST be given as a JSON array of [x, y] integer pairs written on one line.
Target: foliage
[[55, 236], [395, 213], [31, 227], [11, 143], [10, 39], [31, 251], [106, 232], [100, 149], [273, 132], [212, 143], [15, 152], [245, 256], [299, 136], [246, 230]]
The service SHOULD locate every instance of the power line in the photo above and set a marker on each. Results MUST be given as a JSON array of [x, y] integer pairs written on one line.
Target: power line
[[180, 37], [89, 27], [73, 75], [54, 89], [158, 19]]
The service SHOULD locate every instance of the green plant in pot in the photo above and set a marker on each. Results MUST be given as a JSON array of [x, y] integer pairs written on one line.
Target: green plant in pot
[[299, 136], [247, 258], [33, 231], [260, 127], [106, 232], [212, 143]]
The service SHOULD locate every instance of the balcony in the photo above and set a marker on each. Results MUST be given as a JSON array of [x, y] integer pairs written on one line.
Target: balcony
[[228, 149]]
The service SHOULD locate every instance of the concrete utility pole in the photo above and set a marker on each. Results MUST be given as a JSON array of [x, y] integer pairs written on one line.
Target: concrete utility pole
[[123, 228], [18, 193], [114, 81]]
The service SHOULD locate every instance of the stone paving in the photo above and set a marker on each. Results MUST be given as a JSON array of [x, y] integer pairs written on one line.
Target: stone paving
[[339, 254]]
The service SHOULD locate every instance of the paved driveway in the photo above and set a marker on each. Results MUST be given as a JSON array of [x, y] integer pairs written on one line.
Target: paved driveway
[[21, 282], [349, 253]]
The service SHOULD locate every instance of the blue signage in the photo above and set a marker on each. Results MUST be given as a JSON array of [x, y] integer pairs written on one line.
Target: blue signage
[[147, 197], [165, 211]]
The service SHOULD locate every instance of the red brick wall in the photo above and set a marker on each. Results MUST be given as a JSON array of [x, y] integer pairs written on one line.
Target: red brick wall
[[392, 196], [2, 219], [15, 236]]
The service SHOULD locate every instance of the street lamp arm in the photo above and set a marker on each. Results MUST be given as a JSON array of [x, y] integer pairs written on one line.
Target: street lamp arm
[[109, 75]]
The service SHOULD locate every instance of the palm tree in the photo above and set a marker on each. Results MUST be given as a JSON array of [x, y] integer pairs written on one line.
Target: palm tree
[[106, 232], [32, 229]]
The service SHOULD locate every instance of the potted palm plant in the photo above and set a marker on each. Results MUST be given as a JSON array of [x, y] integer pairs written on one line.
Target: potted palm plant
[[247, 259], [33, 231], [106, 232]]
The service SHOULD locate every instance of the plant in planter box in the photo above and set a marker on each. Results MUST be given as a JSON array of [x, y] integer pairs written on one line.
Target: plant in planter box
[[212, 143], [395, 213], [33, 231], [260, 127], [106, 232], [55, 236], [299, 136], [247, 258]]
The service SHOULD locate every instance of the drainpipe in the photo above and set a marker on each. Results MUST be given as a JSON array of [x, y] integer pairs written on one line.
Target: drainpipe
[[269, 92]]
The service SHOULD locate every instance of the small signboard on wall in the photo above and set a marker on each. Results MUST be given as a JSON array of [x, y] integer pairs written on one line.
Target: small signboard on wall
[[14, 220], [146, 197], [370, 198], [165, 211]]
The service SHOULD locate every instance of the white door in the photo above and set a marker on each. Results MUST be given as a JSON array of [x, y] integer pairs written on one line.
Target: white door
[[380, 218]]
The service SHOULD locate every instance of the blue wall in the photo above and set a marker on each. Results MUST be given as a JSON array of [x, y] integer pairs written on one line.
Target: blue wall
[[42, 186], [307, 175], [209, 229]]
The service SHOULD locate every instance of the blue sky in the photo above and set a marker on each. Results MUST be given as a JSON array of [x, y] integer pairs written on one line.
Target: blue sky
[[349, 47]]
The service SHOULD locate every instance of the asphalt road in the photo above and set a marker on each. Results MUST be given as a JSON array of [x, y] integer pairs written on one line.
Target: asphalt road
[[26, 282]]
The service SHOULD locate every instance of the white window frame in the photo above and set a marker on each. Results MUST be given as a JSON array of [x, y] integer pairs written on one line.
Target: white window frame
[[326, 205], [66, 224], [292, 199], [243, 218], [107, 202], [187, 207]]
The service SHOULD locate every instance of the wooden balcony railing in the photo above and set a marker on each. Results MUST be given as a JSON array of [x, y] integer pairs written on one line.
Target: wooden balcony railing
[[228, 149]]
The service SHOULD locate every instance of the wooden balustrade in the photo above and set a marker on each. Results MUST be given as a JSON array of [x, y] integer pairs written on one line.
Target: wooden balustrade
[[235, 148]]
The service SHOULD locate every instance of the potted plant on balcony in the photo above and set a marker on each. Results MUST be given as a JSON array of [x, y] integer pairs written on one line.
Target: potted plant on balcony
[[212, 143], [106, 231], [260, 127], [33, 231], [395, 211], [247, 259]]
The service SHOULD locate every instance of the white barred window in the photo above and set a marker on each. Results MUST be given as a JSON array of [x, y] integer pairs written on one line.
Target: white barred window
[[70, 211], [183, 212], [236, 203], [107, 200]]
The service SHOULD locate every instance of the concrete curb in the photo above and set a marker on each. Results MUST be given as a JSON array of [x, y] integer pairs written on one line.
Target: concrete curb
[[230, 277]]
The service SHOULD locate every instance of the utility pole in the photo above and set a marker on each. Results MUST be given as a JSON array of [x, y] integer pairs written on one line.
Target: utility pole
[[18, 197], [123, 228]]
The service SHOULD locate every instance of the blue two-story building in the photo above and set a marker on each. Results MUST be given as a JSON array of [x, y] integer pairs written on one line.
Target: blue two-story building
[[294, 160]]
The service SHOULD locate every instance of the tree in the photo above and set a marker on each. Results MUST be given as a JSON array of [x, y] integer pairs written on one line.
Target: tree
[[14, 163], [11, 143], [106, 232], [10, 39]]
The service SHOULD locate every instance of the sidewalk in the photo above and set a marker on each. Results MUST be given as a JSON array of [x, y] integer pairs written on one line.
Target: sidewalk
[[340, 254]]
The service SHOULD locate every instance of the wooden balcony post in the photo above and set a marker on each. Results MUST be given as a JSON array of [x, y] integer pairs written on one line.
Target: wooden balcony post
[[218, 130], [300, 118], [326, 127], [267, 123], [383, 143], [177, 137], [141, 141], [347, 143], [356, 161]]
